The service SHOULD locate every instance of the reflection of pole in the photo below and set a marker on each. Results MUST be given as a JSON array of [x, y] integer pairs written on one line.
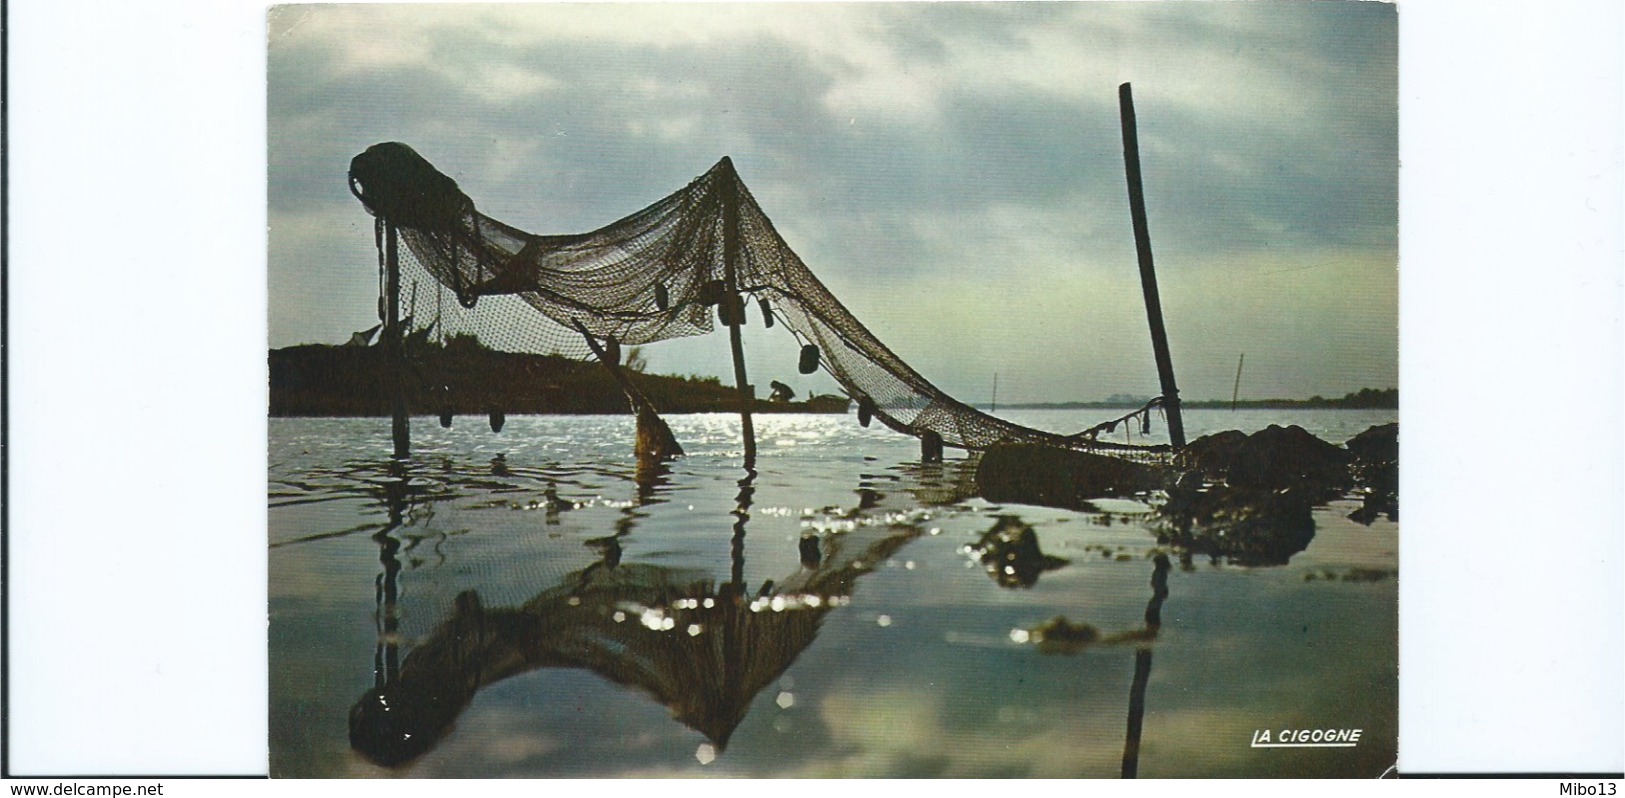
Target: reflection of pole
[[741, 515], [400, 425], [1148, 274], [736, 308], [1142, 667], [386, 658], [733, 633], [1136, 712]]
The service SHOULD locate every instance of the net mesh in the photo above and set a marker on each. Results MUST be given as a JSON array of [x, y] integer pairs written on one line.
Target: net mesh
[[653, 276]]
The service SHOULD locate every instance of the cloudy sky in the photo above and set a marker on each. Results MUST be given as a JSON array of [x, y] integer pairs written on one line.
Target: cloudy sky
[[953, 171]]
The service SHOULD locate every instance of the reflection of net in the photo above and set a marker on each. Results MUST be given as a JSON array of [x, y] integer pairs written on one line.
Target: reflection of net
[[654, 276]]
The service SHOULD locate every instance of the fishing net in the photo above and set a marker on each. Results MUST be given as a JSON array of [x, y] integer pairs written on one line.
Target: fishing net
[[658, 274]]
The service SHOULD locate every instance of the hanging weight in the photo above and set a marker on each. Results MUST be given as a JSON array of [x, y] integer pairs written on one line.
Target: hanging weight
[[711, 292], [809, 359]]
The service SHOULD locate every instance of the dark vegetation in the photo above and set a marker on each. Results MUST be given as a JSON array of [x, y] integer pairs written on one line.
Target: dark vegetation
[[466, 378]]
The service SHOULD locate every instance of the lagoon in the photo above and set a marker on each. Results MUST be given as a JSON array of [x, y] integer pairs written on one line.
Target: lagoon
[[478, 587]]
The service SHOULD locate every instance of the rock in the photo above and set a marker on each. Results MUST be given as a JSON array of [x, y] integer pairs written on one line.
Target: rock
[[1211, 452], [1054, 477], [1379, 444], [1274, 457], [1061, 636], [1376, 472]]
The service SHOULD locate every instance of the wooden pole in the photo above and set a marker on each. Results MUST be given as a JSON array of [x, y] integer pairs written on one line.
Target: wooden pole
[[1236, 391], [1148, 274], [400, 426], [736, 316], [654, 439]]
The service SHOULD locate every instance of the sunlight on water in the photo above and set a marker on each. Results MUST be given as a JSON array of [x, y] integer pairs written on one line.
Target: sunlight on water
[[529, 604]]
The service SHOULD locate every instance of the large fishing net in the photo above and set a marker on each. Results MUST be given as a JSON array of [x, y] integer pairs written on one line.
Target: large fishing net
[[658, 274]]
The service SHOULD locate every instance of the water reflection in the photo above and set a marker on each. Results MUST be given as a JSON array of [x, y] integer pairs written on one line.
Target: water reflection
[[1142, 667], [1011, 555], [1241, 526], [386, 657], [939, 484], [472, 562], [702, 649]]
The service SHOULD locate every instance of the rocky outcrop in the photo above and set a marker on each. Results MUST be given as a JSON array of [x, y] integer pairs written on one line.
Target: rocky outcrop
[[1270, 459], [1376, 471], [1053, 477]]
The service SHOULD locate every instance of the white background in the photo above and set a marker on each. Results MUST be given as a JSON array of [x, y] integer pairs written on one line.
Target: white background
[[137, 390]]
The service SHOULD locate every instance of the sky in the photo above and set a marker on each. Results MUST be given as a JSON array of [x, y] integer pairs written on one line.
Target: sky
[[953, 171]]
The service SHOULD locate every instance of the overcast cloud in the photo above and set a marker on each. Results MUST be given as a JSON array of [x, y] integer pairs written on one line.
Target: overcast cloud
[[952, 170]]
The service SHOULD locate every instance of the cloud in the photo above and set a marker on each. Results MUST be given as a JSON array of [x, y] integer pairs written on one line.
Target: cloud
[[933, 149]]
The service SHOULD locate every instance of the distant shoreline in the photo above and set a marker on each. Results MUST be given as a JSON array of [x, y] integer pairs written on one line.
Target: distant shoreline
[[1257, 404], [1364, 399], [464, 378]]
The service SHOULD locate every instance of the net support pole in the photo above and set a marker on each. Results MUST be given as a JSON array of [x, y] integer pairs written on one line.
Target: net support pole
[[1148, 273], [400, 423], [736, 315], [1236, 391]]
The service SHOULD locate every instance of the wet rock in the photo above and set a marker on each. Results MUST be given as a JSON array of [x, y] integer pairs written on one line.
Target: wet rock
[[1379, 444], [1376, 472], [1010, 552], [1248, 499], [1053, 477], [1211, 452], [1272, 458], [1350, 575], [1061, 636]]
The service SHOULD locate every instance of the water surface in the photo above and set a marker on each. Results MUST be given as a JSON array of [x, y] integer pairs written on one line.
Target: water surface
[[527, 604]]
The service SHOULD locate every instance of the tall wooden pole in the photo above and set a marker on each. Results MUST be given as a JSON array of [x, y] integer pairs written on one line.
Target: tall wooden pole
[[735, 307], [400, 425], [1148, 274], [1236, 391]]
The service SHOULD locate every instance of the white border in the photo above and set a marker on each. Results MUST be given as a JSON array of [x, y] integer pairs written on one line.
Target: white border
[[1510, 367], [136, 193]]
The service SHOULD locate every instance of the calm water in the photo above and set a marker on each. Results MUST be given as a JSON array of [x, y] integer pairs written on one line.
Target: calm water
[[525, 604]]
